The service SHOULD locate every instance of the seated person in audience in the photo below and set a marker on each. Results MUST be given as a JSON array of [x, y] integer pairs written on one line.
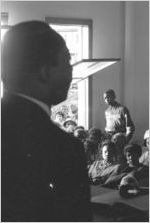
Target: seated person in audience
[[120, 141], [80, 133], [91, 150], [145, 154], [91, 144], [95, 135], [132, 168], [100, 170], [69, 125], [59, 119]]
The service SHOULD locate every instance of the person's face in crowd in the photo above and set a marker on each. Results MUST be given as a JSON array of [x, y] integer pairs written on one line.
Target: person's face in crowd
[[147, 142], [70, 127], [93, 139], [59, 118], [107, 154], [132, 159], [60, 77], [109, 99], [64, 109]]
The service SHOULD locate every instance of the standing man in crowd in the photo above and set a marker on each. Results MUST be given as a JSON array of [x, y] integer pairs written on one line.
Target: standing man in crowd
[[43, 170], [118, 119]]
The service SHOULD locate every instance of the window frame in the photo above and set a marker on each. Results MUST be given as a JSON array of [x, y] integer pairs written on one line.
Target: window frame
[[89, 23], [74, 21], [7, 27]]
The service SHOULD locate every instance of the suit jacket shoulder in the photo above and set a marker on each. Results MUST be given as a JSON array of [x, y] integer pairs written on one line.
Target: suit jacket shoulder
[[43, 168]]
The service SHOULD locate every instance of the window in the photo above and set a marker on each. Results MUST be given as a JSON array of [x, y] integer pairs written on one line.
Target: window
[[77, 35], [76, 38]]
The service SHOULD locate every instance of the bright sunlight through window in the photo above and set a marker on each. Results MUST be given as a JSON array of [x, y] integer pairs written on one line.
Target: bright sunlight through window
[[77, 41]]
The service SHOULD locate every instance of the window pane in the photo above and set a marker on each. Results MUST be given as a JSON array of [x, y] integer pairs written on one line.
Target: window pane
[[3, 32]]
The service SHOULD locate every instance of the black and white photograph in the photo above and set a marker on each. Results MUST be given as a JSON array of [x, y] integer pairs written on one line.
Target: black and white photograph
[[74, 111]]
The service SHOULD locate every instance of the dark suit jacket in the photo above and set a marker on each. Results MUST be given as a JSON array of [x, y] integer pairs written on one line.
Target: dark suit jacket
[[43, 172]]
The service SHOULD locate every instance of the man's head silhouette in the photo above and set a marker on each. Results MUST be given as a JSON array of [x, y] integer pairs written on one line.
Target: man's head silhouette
[[36, 62]]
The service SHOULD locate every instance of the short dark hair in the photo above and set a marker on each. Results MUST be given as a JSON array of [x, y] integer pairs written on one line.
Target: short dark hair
[[79, 127], [110, 92], [110, 145], [29, 45], [60, 113], [133, 148], [72, 122], [119, 137], [96, 132], [81, 133]]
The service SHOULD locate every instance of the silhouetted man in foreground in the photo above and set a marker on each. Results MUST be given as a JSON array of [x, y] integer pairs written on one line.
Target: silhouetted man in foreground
[[43, 170]]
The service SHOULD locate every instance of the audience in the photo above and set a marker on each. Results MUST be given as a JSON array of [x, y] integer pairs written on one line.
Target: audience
[[132, 168], [110, 163]]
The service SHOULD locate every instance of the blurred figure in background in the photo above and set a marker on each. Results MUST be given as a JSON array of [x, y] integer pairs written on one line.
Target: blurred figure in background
[[59, 119], [133, 168], [69, 125], [145, 151]]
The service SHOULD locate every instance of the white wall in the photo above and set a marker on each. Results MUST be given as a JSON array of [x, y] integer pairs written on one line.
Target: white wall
[[106, 18], [120, 29], [136, 80]]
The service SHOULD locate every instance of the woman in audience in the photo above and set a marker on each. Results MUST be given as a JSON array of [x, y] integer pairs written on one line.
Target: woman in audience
[[145, 155], [133, 168], [100, 170]]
